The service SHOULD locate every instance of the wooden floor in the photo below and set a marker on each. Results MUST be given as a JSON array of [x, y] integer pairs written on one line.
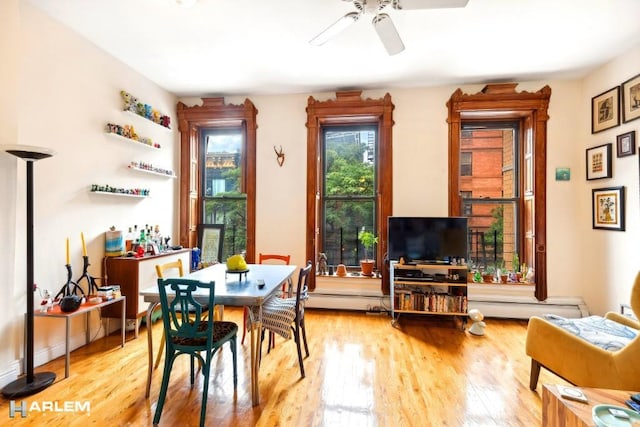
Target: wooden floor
[[361, 372]]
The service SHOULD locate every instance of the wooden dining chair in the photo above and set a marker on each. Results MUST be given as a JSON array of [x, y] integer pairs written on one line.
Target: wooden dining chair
[[285, 316], [190, 331], [175, 269], [286, 259]]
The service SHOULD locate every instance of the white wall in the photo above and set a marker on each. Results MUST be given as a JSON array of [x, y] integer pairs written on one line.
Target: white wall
[[609, 262], [68, 90]]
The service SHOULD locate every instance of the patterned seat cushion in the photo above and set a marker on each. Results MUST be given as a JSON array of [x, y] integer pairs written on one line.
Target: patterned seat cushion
[[277, 315], [221, 329], [604, 333]]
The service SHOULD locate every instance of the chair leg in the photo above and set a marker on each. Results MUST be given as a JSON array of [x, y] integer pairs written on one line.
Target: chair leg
[[205, 387], [304, 338], [535, 374], [297, 337], [160, 351], [244, 324], [168, 364]]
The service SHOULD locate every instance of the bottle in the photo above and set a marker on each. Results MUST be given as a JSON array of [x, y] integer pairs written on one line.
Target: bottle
[[128, 241]]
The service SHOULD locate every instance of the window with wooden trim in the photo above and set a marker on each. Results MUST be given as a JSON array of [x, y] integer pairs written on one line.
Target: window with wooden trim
[[214, 189], [501, 103], [349, 112]]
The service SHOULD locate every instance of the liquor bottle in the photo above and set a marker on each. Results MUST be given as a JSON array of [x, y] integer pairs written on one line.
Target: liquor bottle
[[128, 241]]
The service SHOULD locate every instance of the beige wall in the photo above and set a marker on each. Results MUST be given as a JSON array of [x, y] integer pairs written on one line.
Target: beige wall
[[59, 91], [68, 89]]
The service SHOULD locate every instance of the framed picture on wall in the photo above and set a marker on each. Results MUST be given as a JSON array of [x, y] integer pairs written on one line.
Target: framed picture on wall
[[631, 99], [599, 162], [626, 144], [605, 110], [608, 208]]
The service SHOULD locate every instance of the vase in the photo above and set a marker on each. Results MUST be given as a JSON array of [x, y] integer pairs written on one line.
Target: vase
[[367, 267]]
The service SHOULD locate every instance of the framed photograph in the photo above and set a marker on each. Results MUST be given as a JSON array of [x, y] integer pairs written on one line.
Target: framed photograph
[[608, 208], [599, 162], [563, 174], [631, 99], [210, 238], [626, 144], [605, 110]]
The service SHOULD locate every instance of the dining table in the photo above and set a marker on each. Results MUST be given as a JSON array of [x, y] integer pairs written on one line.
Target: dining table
[[248, 288]]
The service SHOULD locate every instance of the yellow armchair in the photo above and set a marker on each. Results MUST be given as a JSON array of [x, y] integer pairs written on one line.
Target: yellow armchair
[[581, 362]]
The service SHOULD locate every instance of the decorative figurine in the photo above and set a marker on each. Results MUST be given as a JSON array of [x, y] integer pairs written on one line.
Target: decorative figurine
[[322, 263]]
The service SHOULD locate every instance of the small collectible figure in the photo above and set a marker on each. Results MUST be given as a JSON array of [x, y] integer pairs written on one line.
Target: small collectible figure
[[322, 263]]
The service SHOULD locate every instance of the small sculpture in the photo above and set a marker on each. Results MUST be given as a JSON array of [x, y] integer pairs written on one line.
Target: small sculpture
[[477, 328], [322, 263]]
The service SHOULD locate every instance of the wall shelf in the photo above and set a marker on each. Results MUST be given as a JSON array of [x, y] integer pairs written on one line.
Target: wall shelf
[[124, 138], [168, 129], [152, 172], [111, 193]]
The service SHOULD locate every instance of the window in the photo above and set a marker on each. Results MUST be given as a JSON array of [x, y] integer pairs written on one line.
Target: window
[[491, 196], [223, 200], [466, 163], [513, 221], [217, 172], [348, 202], [363, 126]]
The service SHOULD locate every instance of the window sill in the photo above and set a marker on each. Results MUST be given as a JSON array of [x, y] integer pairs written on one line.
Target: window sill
[[349, 285]]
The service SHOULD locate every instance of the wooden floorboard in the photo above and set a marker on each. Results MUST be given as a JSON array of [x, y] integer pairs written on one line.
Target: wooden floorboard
[[361, 372]]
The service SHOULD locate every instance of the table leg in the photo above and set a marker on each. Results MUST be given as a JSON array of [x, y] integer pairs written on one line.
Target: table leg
[[67, 360], [152, 306], [87, 336], [256, 326], [124, 320]]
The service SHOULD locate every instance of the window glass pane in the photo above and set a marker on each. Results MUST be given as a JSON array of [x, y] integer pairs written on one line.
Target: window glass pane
[[349, 184], [465, 163], [493, 229], [224, 201]]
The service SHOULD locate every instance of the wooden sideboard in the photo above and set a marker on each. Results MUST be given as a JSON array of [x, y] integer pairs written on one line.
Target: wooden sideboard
[[133, 275]]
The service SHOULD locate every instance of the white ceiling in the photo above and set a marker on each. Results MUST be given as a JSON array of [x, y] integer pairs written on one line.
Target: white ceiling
[[242, 47]]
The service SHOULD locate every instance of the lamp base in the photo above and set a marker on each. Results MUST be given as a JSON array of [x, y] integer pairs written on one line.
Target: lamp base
[[20, 387]]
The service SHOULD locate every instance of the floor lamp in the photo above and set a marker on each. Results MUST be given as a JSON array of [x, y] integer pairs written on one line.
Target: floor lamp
[[30, 383]]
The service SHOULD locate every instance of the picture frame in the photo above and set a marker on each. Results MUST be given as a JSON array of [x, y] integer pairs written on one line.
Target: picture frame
[[605, 110], [599, 162], [210, 240], [626, 144], [608, 208], [631, 99]]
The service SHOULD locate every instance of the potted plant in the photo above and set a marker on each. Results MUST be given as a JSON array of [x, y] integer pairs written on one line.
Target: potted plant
[[368, 239]]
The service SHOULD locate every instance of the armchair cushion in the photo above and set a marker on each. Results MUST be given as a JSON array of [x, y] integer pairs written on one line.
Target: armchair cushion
[[599, 331]]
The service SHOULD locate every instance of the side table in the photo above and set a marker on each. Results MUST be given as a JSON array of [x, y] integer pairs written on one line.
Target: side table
[[85, 308], [558, 411]]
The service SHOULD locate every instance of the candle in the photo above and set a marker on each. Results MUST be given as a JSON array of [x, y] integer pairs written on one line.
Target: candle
[[68, 259], [84, 247]]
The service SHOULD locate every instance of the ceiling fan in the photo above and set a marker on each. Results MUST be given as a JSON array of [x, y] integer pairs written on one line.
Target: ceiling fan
[[381, 21]]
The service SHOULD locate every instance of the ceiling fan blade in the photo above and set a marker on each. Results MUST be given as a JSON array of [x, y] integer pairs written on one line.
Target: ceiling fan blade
[[335, 28], [388, 33], [428, 4]]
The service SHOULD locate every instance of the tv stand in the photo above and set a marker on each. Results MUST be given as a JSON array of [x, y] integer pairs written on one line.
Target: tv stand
[[432, 289]]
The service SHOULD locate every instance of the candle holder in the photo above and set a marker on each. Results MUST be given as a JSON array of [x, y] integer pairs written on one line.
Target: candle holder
[[92, 286], [69, 288]]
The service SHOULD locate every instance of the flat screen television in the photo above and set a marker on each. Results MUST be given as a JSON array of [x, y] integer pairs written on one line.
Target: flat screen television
[[427, 239]]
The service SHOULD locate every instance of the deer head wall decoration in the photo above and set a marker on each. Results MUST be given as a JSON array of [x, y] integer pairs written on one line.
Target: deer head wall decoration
[[280, 155]]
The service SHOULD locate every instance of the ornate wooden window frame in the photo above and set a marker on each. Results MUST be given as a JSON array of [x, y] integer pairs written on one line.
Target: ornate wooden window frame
[[349, 108], [214, 113], [501, 101]]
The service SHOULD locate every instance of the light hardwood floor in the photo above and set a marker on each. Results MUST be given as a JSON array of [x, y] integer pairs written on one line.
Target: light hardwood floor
[[361, 372]]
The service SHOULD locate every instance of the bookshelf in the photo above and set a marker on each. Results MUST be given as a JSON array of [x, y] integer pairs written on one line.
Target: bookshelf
[[428, 289]]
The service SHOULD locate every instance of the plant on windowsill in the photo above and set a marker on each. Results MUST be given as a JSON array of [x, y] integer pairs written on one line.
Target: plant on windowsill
[[368, 239]]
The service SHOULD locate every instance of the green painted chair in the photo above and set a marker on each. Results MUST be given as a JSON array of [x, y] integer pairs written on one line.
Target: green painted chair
[[190, 331]]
